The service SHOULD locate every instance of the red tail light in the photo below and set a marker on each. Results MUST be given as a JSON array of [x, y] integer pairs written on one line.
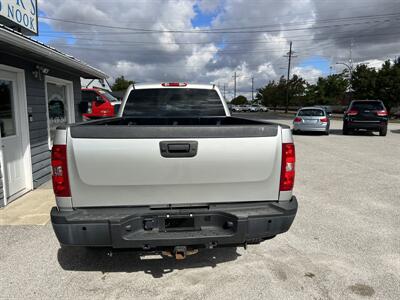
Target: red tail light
[[174, 84], [324, 120], [297, 120], [382, 113], [352, 112], [288, 167], [60, 171]]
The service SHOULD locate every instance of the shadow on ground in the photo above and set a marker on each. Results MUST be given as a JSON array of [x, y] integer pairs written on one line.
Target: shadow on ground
[[396, 131], [86, 259], [309, 133], [359, 132], [337, 132]]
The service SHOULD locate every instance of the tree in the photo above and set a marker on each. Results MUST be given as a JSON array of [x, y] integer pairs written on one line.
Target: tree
[[327, 91], [297, 89], [388, 84], [239, 100], [382, 84], [121, 84], [273, 94], [366, 83], [363, 82]]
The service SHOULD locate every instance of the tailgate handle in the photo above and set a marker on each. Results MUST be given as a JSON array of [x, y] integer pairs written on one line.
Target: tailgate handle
[[178, 149], [174, 148]]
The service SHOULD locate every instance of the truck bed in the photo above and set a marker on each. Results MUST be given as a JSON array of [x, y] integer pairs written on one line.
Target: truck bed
[[121, 161]]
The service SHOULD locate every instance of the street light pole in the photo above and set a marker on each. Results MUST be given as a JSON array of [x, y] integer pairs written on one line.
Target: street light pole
[[350, 68]]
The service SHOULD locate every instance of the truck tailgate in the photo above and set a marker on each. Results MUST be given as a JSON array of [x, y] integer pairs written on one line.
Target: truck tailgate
[[132, 171]]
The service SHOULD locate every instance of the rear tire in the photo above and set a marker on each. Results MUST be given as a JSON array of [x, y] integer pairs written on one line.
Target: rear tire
[[383, 131], [294, 132], [326, 132], [345, 130]]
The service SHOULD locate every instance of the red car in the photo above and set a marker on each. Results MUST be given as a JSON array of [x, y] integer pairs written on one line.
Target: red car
[[98, 103]]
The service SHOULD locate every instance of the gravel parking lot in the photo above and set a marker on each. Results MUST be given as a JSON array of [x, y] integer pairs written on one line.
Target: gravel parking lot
[[344, 243]]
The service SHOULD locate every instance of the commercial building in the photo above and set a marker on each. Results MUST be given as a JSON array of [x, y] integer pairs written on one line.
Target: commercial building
[[40, 89]]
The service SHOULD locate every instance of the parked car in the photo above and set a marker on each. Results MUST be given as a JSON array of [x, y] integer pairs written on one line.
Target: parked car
[[246, 108], [368, 115], [177, 180], [254, 108], [236, 108], [327, 108], [263, 108], [311, 119], [97, 103]]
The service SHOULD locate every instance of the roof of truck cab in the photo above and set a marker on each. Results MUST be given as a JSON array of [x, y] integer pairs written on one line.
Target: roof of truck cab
[[312, 107], [159, 85]]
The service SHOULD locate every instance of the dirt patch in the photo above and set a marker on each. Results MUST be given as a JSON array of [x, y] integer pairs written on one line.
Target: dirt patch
[[362, 290], [309, 275]]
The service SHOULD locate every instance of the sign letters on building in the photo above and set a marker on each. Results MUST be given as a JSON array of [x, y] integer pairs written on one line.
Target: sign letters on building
[[20, 15]]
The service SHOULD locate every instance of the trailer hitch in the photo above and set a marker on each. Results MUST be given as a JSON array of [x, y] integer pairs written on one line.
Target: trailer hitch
[[180, 252]]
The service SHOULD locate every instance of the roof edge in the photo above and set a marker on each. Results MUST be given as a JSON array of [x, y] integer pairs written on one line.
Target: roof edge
[[19, 40]]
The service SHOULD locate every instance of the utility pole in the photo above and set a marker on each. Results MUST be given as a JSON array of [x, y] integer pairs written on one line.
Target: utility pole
[[289, 56], [234, 91], [252, 88]]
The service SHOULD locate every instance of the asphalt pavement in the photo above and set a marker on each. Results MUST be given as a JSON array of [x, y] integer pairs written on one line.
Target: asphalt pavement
[[344, 243]]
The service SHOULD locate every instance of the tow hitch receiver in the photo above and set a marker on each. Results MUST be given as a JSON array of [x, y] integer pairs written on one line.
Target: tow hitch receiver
[[180, 252]]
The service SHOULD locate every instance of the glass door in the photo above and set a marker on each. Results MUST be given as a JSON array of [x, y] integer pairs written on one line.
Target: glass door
[[57, 104], [11, 135]]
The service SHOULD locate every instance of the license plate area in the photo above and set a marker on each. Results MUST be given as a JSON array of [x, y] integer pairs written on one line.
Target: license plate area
[[310, 121], [178, 223]]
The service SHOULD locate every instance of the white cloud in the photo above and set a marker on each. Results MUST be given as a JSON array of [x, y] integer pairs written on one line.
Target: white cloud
[[268, 27], [374, 63], [209, 6], [308, 73]]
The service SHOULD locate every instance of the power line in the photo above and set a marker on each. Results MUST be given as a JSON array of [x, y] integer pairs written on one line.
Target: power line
[[217, 31], [231, 28], [180, 53]]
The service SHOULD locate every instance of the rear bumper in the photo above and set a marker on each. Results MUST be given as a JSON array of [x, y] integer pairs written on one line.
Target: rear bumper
[[146, 228], [368, 125], [316, 127]]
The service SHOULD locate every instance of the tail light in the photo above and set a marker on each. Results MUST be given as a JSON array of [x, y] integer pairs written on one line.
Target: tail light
[[297, 120], [174, 84], [60, 171], [324, 120], [352, 112], [382, 113], [288, 167], [89, 109]]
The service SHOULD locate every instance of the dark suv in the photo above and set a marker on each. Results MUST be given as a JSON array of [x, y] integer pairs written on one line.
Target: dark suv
[[366, 114]]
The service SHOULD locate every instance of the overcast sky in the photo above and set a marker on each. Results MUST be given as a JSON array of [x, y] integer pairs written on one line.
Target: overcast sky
[[208, 40]]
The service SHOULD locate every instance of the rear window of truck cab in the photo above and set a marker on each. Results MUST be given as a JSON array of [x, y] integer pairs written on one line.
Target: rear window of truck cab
[[311, 113], [175, 102], [367, 105]]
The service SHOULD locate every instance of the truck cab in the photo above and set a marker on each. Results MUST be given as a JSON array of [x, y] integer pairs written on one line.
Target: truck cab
[[98, 103]]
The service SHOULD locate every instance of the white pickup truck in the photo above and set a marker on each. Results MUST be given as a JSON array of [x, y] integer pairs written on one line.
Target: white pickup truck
[[174, 171]]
